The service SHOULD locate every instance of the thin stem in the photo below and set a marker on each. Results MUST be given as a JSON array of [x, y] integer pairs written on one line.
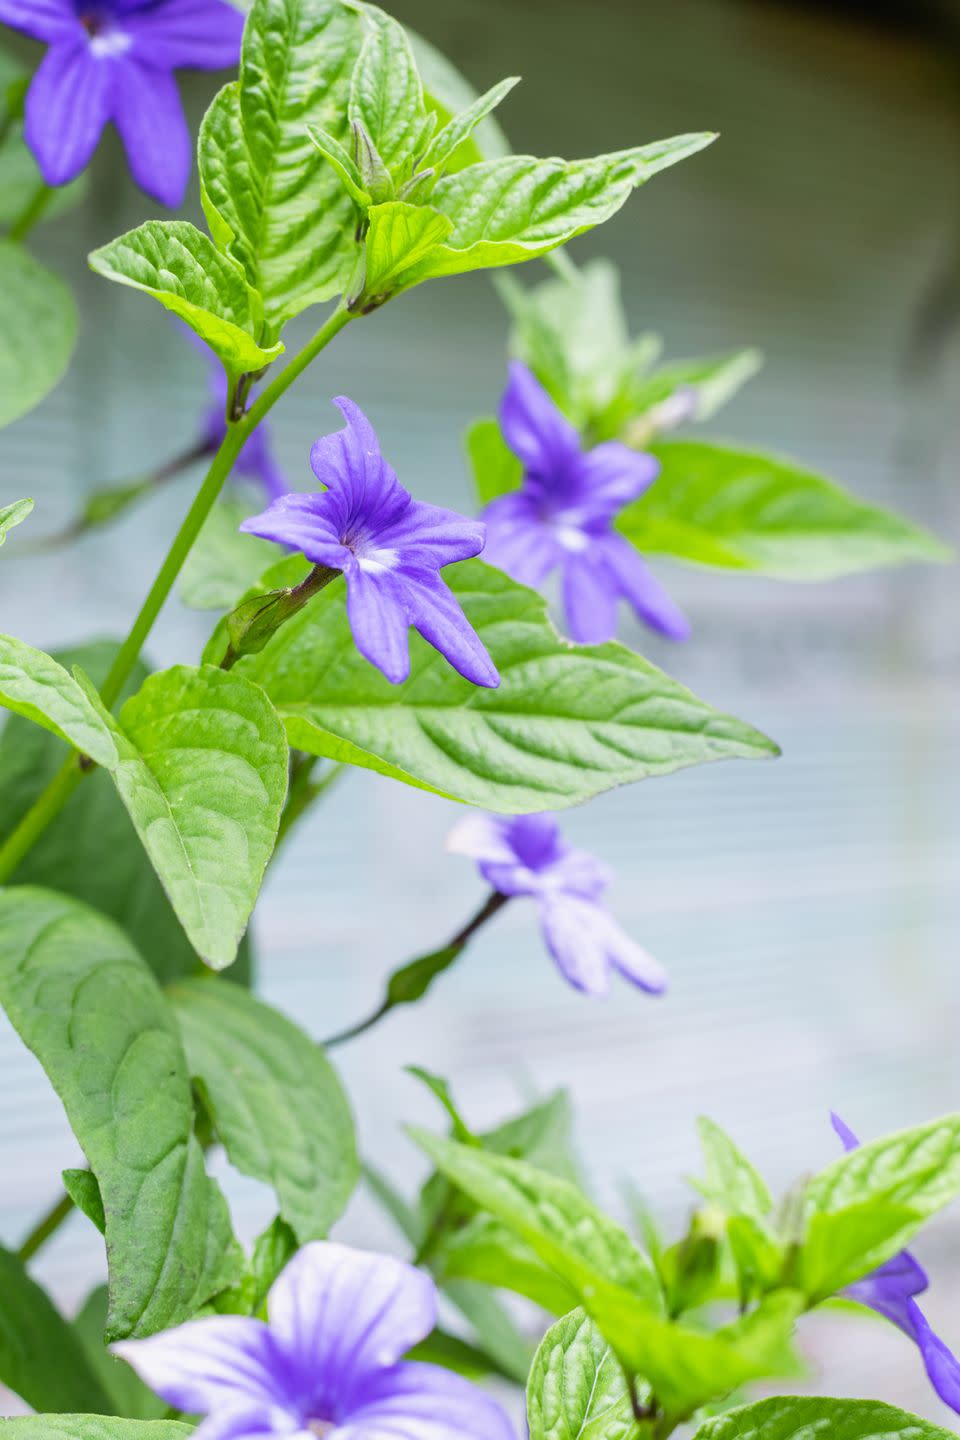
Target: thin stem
[[51, 802], [32, 212], [436, 962], [45, 1227]]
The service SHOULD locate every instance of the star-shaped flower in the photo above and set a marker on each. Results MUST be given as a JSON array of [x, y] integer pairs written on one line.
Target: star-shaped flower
[[113, 60], [390, 547], [561, 518], [527, 855], [328, 1363]]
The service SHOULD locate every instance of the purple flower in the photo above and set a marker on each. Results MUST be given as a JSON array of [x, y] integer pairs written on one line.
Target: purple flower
[[561, 518], [113, 60], [527, 855], [329, 1362], [256, 460], [389, 546], [890, 1291]]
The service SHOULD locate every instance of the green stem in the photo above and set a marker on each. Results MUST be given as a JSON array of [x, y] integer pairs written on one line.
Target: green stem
[[44, 1228], [52, 800], [32, 212]]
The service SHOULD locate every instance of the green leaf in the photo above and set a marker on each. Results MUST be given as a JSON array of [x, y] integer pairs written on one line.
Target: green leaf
[[811, 1417], [577, 1389], [589, 1252], [507, 211], [730, 1180], [486, 1251], [271, 199], [201, 765], [32, 684], [11, 515], [128, 1394], [714, 381], [732, 509], [41, 1359], [20, 179], [460, 127], [865, 1206], [496, 470], [224, 562], [90, 850], [566, 723], [441, 1348], [182, 268], [399, 237], [82, 1187], [86, 1004], [386, 93], [39, 331], [447, 94], [90, 1427], [275, 1101]]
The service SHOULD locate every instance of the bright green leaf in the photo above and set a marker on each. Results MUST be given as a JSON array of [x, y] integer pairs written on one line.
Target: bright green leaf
[[182, 268], [486, 1251], [813, 1417], [566, 723], [11, 515], [496, 470], [274, 1099], [714, 381], [271, 199], [38, 334], [732, 509], [730, 1180], [84, 1191], [86, 1004], [447, 94], [41, 1359], [460, 127], [34, 685], [577, 1389], [90, 1427], [386, 93], [400, 235]]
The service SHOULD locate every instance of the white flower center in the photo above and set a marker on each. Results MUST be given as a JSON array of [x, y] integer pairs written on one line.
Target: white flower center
[[571, 538], [375, 562], [108, 43]]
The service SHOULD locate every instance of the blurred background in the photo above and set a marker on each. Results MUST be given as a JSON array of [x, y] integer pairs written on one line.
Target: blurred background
[[808, 910]]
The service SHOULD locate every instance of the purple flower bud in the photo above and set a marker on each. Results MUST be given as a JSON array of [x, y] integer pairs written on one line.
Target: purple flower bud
[[561, 518], [527, 855]]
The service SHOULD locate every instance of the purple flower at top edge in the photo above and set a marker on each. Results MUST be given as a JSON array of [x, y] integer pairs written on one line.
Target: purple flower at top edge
[[890, 1291], [329, 1361], [113, 60], [527, 855], [561, 518], [390, 547]]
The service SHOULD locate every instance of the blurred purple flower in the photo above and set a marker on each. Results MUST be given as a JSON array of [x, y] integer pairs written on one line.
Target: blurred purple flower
[[329, 1362], [890, 1291], [256, 460], [561, 518], [113, 60], [527, 855], [390, 547]]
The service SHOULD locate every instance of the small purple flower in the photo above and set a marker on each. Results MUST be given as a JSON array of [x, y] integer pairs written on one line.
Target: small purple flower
[[256, 460], [890, 1291], [561, 518], [390, 547], [329, 1363], [527, 855], [113, 60]]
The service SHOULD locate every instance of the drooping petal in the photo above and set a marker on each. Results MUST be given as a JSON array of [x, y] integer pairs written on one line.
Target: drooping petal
[[67, 106], [940, 1363], [223, 1362], [569, 928], [611, 475], [302, 522], [149, 116], [433, 536], [519, 541], [436, 614], [49, 20], [190, 34], [341, 1315], [626, 956], [637, 585], [425, 1402], [534, 428], [590, 595], [379, 621]]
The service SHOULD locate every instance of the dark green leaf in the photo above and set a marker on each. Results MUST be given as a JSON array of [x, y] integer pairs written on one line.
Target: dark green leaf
[[82, 1187], [128, 1394], [41, 1359]]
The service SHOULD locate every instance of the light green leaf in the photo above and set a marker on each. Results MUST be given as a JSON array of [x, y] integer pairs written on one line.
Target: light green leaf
[[508, 211], [202, 769], [386, 93], [460, 128], [11, 515], [813, 1417], [86, 1004], [224, 562], [486, 1251], [566, 723], [182, 268], [271, 199], [39, 331], [447, 94], [90, 850], [730, 1180], [577, 1389], [496, 470], [732, 509], [128, 1394], [399, 236], [90, 1427], [34, 685], [274, 1099], [865, 1206], [41, 1359], [714, 381], [20, 179], [344, 165], [589, 1252]]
